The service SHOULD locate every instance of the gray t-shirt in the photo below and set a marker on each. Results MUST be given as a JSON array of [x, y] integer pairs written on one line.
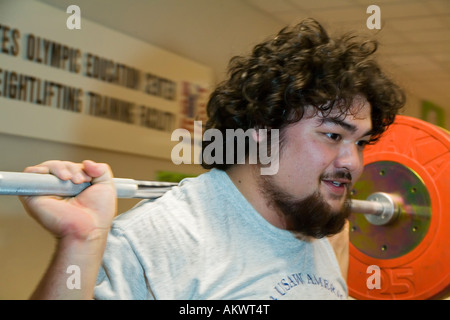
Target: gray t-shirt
[[203, 240]]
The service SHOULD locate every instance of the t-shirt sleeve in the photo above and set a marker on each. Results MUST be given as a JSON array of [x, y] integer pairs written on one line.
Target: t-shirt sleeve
[[121, 276], [152, 252]]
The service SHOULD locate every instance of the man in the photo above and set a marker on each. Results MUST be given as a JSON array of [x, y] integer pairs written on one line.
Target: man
[[233, 233]]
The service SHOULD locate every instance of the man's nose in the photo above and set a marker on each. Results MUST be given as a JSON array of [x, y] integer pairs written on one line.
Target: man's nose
[[350, 158]]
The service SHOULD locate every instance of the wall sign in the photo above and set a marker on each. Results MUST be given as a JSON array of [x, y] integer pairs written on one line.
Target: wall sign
[[93, 86]]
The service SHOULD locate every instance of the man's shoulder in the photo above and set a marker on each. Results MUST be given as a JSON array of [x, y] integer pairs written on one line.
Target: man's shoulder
[[176, 203]]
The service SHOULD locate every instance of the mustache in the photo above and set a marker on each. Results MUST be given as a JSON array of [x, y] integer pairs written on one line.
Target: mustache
[[337, 175]]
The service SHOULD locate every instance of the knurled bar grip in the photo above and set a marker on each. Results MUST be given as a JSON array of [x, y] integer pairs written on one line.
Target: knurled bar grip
[[35, 184]]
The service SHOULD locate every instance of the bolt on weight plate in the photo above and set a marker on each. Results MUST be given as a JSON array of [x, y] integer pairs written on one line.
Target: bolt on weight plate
[[411, 162]]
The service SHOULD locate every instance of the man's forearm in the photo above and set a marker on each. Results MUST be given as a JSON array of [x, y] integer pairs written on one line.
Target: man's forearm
[[73, 270]]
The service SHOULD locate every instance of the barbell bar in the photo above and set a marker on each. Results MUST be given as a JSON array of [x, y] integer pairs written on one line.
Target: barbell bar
[[35, 184], [379, 204]]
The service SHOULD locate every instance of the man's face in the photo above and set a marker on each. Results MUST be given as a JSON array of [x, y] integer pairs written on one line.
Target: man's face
[[320, 161]]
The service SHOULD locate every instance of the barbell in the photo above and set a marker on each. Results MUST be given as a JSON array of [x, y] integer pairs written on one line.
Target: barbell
[[380, 205], [400, 206]]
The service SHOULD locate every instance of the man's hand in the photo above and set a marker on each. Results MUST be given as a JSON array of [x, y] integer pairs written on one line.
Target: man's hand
[[80, 217], [80, 225]]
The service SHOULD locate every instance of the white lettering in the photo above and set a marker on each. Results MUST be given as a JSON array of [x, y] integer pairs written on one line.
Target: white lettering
[[184, 146], [73, 21], [235, 147], [196, 310], [374, 21], [374, 281], [74, 281]]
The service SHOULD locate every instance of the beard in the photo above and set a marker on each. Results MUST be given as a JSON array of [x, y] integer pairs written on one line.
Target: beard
[[311, 216]]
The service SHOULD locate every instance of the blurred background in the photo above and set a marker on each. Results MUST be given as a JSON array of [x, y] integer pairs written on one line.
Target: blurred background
[[198, 37]]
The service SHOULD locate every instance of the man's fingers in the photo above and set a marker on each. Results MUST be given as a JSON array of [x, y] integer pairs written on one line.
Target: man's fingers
[[37, 169], [100, 172], [58, 168], [78, 175], [64, 170]]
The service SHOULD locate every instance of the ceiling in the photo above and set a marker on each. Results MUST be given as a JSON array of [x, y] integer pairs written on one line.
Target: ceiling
[[414, 35]]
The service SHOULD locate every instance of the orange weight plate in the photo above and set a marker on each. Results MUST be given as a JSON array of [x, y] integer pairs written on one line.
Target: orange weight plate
[[412, 162]]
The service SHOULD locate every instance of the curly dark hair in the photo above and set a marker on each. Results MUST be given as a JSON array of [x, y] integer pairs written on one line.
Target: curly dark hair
[[302, 66]]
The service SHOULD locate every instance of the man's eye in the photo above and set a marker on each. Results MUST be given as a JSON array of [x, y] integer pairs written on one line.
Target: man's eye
[[333, 136]]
